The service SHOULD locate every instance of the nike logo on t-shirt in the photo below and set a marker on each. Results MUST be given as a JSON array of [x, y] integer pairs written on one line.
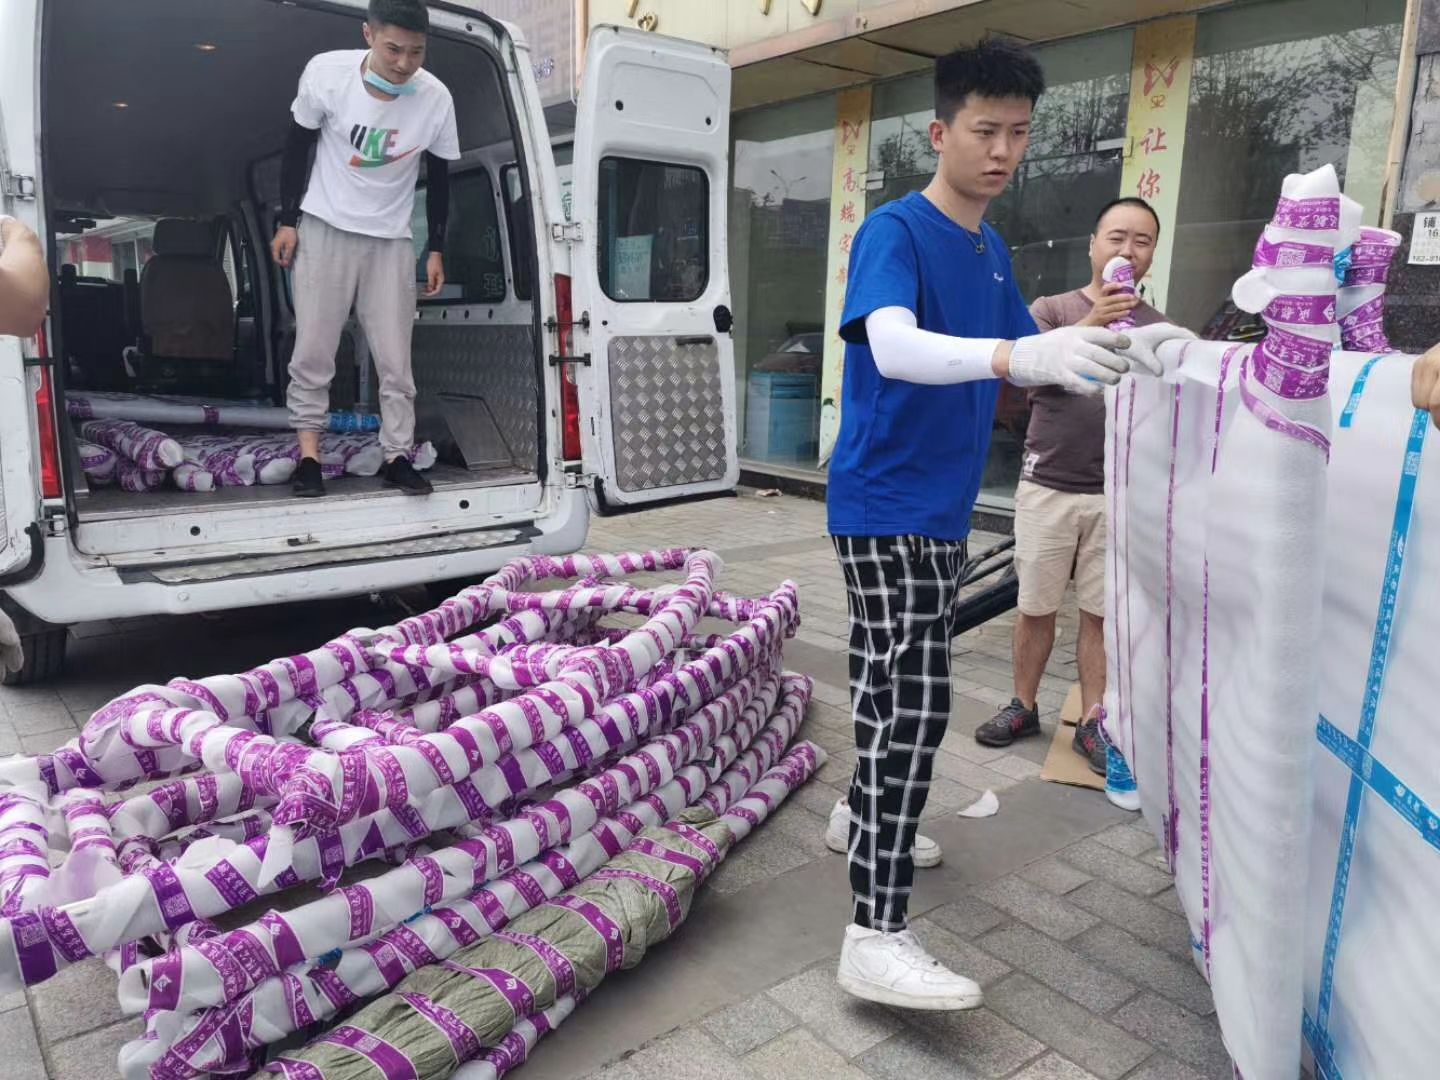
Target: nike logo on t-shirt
[[375, 145]]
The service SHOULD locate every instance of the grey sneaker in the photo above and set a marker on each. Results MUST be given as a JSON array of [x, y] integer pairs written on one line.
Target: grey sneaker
[[1089, 743], [1012, 722]]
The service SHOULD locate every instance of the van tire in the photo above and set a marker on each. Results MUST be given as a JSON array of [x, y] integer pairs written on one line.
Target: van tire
[[44, 657]]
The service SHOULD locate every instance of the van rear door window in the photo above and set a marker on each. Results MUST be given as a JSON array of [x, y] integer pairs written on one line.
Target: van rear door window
[[654, 231]]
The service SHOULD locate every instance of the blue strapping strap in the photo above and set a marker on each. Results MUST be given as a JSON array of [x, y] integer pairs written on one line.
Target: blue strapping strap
[[1347, 417], [1316, 1031], [1379, 779]]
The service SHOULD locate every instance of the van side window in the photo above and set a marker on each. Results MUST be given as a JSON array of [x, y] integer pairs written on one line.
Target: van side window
[[520, 231], [654, 231], [474, 262]]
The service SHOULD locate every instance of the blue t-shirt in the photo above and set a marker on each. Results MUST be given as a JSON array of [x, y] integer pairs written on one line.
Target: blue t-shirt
[[909, 458]]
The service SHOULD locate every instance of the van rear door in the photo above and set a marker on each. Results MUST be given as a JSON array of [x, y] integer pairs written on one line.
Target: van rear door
[[651, 269], [19, 494]]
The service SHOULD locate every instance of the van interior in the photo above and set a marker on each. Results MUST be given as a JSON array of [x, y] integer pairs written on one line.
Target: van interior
[[163, 122]]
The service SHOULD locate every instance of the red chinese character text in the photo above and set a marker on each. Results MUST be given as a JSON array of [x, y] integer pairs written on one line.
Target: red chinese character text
[[1154, 140], [1165, 73]]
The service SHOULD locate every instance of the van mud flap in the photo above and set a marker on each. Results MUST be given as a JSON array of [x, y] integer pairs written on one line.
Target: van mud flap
[[187, 573]]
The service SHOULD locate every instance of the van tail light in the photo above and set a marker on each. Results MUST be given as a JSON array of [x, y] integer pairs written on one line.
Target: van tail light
[[569, 391], [45, 426]]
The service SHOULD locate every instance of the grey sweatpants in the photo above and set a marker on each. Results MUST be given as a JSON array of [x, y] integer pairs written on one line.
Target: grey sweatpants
[[335, 270]]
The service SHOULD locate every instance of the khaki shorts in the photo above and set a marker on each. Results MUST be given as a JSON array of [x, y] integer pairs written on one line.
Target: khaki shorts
[[1059, 534]]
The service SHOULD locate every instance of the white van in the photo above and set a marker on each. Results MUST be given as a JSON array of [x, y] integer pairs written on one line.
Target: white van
[[565, 362]]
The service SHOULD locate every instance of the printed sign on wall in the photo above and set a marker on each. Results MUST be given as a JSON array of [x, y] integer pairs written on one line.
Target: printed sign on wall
[[847, 209], [1155, 130]]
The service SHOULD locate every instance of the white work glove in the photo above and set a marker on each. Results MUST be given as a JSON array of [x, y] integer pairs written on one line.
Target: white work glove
[[1081, 359], [1145, 341]]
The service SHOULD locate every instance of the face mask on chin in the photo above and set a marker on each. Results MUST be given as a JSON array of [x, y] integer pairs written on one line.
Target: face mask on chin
[[384, 85]]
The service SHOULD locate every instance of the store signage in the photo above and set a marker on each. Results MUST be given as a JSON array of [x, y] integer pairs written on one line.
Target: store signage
[[847, 210], [1155, 131], [1425, 240]]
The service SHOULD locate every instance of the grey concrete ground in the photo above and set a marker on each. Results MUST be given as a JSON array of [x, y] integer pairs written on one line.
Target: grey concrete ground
[[1059, 905]]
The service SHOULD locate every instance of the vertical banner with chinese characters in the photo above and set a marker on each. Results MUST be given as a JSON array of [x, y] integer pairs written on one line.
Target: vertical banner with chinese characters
[[1155, 130], [847, 208]]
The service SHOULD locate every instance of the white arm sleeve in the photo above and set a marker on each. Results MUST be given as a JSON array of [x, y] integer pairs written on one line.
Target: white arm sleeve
[[903, 351]]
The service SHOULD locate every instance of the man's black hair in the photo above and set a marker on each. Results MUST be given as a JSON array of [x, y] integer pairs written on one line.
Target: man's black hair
[[1127, 200], [994, 67], [406, 14]]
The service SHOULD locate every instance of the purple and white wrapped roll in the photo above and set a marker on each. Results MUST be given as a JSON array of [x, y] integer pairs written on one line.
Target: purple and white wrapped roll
[[133, 478], [191, 477], [1361, 300], [230, 465], [149, 449], [407, 730], [98, 463]]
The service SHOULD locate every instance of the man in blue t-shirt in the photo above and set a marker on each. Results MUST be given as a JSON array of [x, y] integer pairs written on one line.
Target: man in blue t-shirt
[[932, 321]]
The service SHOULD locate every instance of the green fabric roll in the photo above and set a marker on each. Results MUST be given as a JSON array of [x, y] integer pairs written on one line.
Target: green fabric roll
[[418, 1019]]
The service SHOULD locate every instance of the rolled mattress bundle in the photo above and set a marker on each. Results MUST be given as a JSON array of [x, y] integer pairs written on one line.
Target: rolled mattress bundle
[[1269, 639], [511, 776]]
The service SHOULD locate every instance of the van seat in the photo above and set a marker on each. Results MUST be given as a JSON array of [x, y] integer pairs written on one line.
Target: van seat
[[187, 312], [93, 330]]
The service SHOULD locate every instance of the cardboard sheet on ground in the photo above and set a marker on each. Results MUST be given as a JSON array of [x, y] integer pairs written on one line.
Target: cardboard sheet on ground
[[1062, 764]]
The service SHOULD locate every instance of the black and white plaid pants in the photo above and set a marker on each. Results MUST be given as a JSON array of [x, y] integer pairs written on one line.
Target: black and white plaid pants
[[902, 593]]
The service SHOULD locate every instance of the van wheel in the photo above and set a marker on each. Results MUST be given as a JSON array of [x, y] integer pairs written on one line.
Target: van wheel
[[44, 657]]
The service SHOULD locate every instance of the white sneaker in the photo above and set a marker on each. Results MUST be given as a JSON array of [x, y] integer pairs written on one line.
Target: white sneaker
[[894, 969], [837, 838]]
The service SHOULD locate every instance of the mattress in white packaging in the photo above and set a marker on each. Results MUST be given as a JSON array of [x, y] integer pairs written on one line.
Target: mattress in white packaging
[[1371, 946]]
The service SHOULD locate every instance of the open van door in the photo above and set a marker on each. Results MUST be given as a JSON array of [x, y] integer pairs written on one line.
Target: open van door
[[20, 538], [651, 271]]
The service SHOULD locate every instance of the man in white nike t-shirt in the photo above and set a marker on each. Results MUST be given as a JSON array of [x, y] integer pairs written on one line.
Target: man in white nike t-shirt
[[371, 116]]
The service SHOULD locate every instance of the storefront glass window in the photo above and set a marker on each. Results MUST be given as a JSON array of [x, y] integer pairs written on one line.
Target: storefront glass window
[[1278, 88], [779, 221], [1071, 169]]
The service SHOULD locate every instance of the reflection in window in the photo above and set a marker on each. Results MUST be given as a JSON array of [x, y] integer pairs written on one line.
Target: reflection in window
[[108, 248], [654, 231], [474, 262], [779, 221], [1282, 88], [520, 231]]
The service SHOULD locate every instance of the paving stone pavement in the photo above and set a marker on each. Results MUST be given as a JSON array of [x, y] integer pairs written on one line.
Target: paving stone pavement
[[1059, 906]]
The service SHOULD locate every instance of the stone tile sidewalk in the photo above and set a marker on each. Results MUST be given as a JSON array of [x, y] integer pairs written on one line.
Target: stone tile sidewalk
[[1059, 905]]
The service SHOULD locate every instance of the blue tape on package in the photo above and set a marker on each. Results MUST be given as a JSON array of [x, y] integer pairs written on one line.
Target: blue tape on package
[[1347, 417], [1316, 1031]]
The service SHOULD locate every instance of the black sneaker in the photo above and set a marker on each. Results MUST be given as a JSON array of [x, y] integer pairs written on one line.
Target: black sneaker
[[400, 473], [1090, 744], [1012, 722], [307, 482]]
